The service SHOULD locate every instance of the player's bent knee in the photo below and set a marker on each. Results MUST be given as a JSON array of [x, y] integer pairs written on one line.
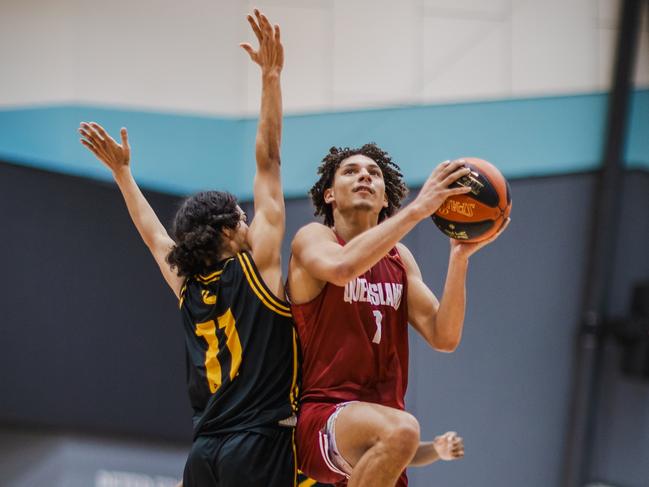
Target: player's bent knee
[[403, 436]]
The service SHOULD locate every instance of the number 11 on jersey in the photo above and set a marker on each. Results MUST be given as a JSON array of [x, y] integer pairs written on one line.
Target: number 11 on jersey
[[378, 318]]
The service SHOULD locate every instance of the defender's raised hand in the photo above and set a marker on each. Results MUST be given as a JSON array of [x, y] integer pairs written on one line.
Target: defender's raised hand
[[270, 56], [449, 446], [115, 156]]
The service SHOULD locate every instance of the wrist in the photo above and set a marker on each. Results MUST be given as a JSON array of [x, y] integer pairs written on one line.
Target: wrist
[[415, 211], [270, 74], [122, 174]]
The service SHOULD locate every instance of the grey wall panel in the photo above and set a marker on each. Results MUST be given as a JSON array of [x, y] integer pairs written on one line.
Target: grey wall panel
[[91, 337], [90, 333]]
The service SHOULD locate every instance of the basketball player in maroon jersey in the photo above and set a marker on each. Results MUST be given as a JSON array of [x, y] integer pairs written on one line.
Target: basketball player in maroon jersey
[[354, 288]]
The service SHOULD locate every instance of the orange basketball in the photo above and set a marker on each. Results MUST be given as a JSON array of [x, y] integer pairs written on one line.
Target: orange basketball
[[479, 214]]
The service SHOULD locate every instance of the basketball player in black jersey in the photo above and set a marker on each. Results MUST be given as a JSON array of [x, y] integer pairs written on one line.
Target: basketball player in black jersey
[[240, 340]]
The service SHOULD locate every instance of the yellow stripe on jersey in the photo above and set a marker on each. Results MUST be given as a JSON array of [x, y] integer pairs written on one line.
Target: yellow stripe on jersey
[[280, 309], [294, 458], [293, 393], [182, 295], [258, 279], [209, 277], [307, 483]]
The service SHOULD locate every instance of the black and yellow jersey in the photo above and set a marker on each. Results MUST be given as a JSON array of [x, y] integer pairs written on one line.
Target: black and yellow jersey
[[242, 357]]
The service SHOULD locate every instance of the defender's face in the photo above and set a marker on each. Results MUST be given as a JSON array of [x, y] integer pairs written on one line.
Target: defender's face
[[358, 184], [240, 235]]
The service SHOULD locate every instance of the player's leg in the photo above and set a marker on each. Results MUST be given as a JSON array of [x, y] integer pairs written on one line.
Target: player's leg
[[261, 457], [199, 469], [378, 442]]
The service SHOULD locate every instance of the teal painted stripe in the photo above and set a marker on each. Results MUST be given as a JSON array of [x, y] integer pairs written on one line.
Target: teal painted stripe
[[182, 154]]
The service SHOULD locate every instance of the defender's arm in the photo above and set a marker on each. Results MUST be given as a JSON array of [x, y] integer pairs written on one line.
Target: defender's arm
[[267, 229], [117, 158]]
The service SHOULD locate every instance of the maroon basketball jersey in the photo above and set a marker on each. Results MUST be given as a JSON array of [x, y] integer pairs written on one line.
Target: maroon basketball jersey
[[354, 339]]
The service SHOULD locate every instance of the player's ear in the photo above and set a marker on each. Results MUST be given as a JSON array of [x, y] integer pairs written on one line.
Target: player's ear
[[329, 196], [228, 233], [385, 200]]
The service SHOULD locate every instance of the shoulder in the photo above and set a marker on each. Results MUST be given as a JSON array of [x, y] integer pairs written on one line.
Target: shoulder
[[313, 231], [407, 258]]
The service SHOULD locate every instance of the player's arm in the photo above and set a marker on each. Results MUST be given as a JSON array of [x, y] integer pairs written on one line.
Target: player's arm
[[116, 157], [441, 322], [267, 229], [317, 251], [448, 446]]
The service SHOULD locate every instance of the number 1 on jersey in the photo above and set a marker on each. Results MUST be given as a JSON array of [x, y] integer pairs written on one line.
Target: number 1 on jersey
[[378, 318]]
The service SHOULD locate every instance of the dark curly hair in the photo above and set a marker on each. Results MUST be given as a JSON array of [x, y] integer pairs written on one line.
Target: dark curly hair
[[395, 188], [197, 231]]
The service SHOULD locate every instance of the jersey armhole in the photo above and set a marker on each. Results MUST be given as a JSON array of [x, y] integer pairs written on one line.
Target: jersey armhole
[[259, 287]]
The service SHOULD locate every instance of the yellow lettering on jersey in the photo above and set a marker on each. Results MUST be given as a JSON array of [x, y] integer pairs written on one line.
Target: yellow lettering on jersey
[[207, 330], [207, 297], [233, 343]]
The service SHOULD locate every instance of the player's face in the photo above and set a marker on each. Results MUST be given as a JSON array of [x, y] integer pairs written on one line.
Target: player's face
[[240, 235], [358, 184]]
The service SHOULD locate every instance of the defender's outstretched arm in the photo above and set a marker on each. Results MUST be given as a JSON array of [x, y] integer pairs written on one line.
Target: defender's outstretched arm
[[267, 229], [117, 157], [448, 446]]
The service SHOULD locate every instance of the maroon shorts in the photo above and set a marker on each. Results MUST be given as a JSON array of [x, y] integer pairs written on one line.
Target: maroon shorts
[[314, 457]]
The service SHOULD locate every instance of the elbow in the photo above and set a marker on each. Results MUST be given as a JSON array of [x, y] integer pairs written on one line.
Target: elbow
[[446, 345], [341, 274]]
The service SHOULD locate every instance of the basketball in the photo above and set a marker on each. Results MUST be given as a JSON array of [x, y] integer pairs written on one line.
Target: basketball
[[479, 214]]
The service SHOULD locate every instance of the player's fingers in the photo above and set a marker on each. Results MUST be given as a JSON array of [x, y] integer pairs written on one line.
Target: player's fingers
[[449, 167], [255, 27], [266, 26], [260, 23], [91, 148], [90, 132], [277, 33], [248, 48], [456, 191], [455, 175], [85, 132], [100, 130], [124, 135]]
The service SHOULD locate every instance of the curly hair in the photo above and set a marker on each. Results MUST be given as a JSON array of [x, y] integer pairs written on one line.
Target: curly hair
[[395, 188], [197, 230]]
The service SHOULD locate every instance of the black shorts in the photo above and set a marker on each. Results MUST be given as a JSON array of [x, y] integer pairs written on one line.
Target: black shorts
[[260, 457]]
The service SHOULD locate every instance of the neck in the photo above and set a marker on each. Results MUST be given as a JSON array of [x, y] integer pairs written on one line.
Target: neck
[[349, 225]]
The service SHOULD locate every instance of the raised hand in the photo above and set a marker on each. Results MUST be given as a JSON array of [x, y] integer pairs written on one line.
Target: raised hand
[[115, 156], [437, 187], [449, 446], [270, 56]]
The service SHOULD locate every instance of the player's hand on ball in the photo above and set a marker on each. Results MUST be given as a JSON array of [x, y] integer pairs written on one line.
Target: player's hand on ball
[[114, 155], [449, 446], [467, 249], [437, 187]]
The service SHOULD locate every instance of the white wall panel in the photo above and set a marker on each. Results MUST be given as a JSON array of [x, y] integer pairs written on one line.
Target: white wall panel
[[307, 35], [341, 54], [35, 69], [178, 56], [376, 52], [554, 46], [466, 59], [474, 9]]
